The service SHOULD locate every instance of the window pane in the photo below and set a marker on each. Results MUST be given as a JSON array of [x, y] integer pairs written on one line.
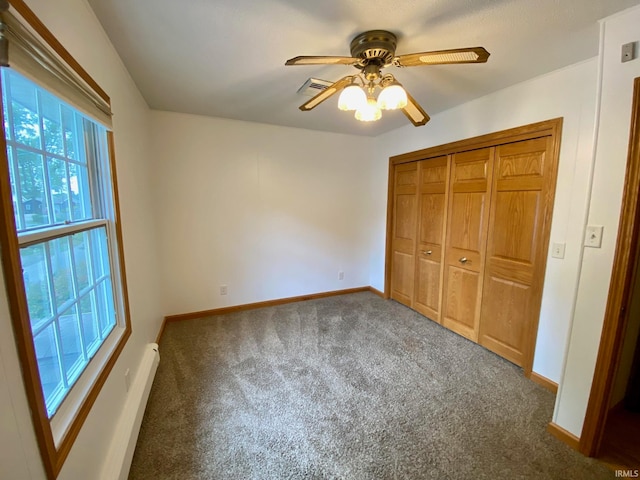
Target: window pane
[[107, 313], [100, 255], [70, 133], [24, 106], [59, 190], [48, 365], [14, 193], [79, 190], [72, 356], [53, 140], [36, 282], [32, 189], [104, 294], [61, 270], [90, 323], [5, 113], [82, 259]]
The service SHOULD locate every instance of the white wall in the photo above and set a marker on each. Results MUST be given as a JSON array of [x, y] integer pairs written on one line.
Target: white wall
[[568, 93], [269, 211], [74, 24], [604, 209]]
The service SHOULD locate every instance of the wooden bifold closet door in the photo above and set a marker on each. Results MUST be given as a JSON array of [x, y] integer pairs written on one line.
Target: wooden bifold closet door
[[523, 178], [468, 219], [468, 234], [432, 198], [403, 232]]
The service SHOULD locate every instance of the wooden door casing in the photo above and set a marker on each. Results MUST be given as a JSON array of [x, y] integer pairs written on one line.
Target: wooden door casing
[[522, 181], [467, 223], [404, 230], [432, 197]]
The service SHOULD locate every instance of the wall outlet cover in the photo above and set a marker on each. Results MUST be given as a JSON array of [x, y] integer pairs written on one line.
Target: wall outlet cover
[[557, 250], [628, 52]]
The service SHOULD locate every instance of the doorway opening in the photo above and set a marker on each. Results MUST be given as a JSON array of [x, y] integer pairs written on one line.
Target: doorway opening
[[621, 438]]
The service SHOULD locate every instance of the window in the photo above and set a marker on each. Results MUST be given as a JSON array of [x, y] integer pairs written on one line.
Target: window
[[57, 178], [61, 243]]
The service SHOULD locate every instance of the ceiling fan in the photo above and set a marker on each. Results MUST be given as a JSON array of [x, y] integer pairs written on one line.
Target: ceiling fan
[[372, 51]]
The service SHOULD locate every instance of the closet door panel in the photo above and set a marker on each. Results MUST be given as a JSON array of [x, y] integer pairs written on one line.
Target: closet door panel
[[516, 215], [468, 209], [428, 288], [502, 328], [514, 249], [404, 229], [467, 222], [431, 220], [460, 299]]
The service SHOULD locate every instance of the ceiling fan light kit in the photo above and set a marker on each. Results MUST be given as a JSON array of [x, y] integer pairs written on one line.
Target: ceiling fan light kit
[[372, 51], [367, 108]]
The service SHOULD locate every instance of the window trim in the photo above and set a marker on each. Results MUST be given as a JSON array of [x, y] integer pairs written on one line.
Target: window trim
[[53, 458]]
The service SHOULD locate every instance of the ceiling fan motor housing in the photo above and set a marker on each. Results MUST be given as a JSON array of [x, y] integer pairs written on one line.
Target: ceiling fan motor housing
[[375, 47]]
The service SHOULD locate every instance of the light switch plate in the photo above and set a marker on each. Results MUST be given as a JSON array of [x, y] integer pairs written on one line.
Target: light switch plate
[[593, 237]]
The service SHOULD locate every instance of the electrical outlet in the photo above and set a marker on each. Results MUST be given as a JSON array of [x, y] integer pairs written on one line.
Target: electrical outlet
[[628, 52], [557, 250], [593, 237], [340, 275], [223, 289], [127, 379]]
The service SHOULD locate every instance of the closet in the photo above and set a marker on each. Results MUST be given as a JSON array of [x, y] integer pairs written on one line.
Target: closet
[[468, 234]]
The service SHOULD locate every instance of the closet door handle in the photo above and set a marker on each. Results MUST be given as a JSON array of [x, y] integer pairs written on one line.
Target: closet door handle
[[463, 260], [427, 252]]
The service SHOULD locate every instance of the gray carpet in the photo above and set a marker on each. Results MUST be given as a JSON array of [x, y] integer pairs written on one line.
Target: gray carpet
[[347, 387]]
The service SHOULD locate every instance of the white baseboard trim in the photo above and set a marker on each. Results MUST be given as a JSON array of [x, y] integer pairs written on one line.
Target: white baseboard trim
[[124, 440]]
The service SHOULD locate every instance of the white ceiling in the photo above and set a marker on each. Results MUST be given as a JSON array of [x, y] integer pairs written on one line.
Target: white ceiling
[[225, 58]]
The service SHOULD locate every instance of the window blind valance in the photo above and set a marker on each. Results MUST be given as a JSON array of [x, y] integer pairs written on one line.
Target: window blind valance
[[28, 54]]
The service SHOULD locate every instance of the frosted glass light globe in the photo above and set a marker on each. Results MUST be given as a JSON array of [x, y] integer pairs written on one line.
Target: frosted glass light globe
[[392, 98], [351, 98], [369, 112]]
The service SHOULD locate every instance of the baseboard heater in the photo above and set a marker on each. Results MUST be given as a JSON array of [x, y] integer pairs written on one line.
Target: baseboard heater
[[124, 440]]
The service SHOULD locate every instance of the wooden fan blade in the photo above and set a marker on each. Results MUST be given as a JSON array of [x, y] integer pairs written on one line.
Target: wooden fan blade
[[414, 112], [326, 93], [443, 57], [322, 61]]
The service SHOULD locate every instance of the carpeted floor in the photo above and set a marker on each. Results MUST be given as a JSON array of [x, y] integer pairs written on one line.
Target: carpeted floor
[[347, 387]]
